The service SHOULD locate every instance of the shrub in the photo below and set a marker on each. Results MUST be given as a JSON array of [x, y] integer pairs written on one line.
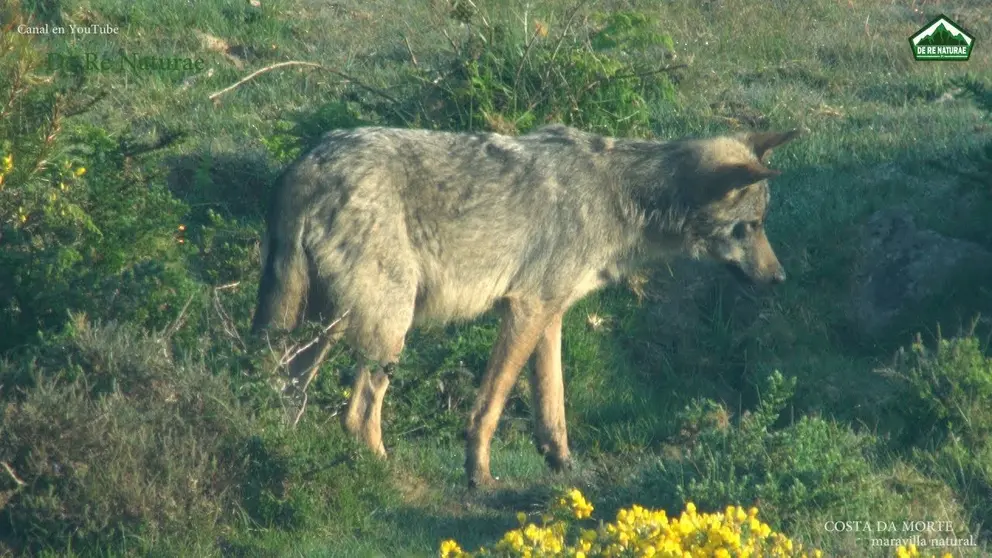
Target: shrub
[[949, 387], [75, 217], [638, 531], [114, 445], [812, 464], [948, 391], [500, 79], [799, 473], [114, 442]]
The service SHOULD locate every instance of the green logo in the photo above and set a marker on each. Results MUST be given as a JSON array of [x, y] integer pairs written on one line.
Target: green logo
[[942, 39]]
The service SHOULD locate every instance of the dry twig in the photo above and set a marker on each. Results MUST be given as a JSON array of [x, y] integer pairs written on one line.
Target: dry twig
[[256, 73], [179, 321], [13, 475], [225, 319], [413, 57], [288, 358], [292, 352]]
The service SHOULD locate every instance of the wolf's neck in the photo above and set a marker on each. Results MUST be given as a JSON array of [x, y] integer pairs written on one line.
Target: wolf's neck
[[647, 187]]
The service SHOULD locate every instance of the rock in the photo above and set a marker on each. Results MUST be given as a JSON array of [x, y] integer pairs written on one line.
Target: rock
[[901, 269]]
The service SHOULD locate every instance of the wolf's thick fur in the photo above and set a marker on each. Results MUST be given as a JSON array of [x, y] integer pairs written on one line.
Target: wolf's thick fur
[[397, 227]]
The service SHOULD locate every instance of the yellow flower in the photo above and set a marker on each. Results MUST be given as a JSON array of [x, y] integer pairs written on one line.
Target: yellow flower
[[638, 531], [765, 531], [540, 29], [80, 171], [450, 548], [574, 502], [8, 163]]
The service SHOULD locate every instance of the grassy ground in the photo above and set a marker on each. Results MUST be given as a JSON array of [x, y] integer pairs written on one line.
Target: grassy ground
[[665, 399]]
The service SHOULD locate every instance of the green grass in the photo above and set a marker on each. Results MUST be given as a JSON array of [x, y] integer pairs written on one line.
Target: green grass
[[126, 452]]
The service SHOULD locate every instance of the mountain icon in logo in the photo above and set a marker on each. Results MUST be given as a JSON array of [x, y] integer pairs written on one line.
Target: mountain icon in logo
[[942, 39]]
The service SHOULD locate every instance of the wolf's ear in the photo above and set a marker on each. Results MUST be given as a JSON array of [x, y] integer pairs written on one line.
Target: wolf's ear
[[762, 142], [722, 180]]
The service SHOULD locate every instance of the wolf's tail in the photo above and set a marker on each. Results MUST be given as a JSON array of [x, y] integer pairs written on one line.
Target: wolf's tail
[[283, 286]]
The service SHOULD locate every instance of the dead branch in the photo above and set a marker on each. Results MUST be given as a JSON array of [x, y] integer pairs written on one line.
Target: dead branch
[[413, 57], [561, 39], [454, 47], [178, 322], [523, 59], [225, 319], [290, 354], [261, 71], [13, 475], [303, 407], [568, 26], [288, 358], [597, 82]]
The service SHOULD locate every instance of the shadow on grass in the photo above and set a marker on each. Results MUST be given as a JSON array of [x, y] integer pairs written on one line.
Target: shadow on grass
[[232, 183], [472, 518]]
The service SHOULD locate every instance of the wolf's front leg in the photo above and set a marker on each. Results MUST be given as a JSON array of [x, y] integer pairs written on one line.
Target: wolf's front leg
[[548, 387], [523, 323], [363, 419]]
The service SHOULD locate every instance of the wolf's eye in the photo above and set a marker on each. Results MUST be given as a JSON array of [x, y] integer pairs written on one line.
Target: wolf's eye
[[740, 230]]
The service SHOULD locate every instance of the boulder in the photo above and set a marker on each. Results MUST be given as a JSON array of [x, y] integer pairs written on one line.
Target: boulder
[[905, 276]]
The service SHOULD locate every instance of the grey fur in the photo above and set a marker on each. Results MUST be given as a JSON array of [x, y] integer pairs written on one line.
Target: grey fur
[[402, 227]]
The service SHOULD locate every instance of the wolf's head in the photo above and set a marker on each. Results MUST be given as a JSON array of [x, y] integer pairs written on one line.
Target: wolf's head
[[723, 185]]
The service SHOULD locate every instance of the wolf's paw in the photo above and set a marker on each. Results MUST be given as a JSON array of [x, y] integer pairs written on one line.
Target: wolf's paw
[[482, 481], [559, 463]]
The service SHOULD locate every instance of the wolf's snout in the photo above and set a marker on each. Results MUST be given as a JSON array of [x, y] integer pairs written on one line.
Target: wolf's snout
[[754, 277]]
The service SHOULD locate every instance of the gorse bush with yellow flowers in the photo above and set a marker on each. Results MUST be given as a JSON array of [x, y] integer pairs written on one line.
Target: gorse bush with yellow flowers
[[638, 531], [641, 532]]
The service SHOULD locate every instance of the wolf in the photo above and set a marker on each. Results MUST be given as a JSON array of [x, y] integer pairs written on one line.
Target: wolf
[[385, 229]]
